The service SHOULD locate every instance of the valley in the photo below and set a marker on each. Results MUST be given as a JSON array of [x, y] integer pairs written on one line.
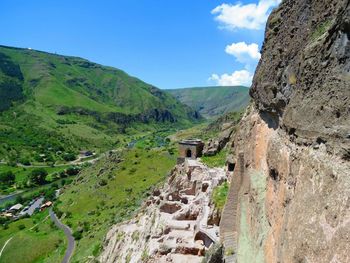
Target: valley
[[66, 104], [96, 157], [98, 166]]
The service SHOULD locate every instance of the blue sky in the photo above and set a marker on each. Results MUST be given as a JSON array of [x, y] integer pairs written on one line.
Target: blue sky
[[170, 44]]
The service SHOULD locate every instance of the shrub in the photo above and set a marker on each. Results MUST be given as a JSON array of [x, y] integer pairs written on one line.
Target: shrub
[[72, 171], [132, 170], [144, 256], [21, 227], [214, 254], [7, 178], [77, 235], [68, 214], [96, 250], [24, 161], [102, 182], [3, 220]]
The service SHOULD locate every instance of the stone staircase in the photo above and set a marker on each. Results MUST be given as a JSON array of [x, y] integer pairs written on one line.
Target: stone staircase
[[228, 224]]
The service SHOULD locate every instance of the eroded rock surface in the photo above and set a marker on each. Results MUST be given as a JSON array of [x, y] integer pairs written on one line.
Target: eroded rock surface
[[289, 198], [173, 223]]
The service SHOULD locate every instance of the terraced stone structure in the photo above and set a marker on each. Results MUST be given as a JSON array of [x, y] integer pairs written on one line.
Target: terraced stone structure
[[178, 223]]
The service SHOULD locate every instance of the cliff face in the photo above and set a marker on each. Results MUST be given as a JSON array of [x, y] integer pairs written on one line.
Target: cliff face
[[290, 193]]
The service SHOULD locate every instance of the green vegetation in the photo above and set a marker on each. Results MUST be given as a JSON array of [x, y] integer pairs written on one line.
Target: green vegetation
[[38, 176], [11, 79], [7, 178], [213, 101], [321, 29], [214, 253], [24, 176], [217, 160], [209, 129], [233, 117], [219, 195], [34, 239], [65, 104], [58, 106], [229, 251], [110, 192]]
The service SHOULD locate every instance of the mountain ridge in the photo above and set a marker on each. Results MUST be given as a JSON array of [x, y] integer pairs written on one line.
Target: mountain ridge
[[50, 97], [213, 101]]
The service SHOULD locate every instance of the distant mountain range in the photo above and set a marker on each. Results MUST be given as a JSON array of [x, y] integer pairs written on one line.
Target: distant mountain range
[[63, 103], [213, 101]]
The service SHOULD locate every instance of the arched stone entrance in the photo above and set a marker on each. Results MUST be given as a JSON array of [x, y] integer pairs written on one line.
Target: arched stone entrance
[[202, 236], [188, 153]]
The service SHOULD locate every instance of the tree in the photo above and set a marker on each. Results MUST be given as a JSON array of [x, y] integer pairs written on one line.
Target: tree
[[77, 235], [72, 171], [50, 193], [38, 176], [7, 178], [24, 161], [69, 157]]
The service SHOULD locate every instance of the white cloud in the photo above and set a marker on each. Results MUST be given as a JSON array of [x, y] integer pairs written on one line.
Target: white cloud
[[250, 16], [237, 78], [244, 53]]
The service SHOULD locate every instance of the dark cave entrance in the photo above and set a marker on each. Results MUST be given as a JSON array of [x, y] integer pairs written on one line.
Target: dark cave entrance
[[231, 167], [188, 153]]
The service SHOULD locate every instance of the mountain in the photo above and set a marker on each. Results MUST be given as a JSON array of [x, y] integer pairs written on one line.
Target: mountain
[[213, 101], [63, 103]]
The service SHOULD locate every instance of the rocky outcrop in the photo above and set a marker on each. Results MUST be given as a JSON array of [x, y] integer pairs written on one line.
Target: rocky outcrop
[[213, 146], [289, 198], [302, 81], [174, 224]]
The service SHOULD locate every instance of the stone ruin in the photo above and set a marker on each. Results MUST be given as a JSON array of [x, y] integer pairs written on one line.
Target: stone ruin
[[178, 223]]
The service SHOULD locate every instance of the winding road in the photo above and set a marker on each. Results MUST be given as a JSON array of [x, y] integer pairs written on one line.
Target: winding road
[[68, 232]]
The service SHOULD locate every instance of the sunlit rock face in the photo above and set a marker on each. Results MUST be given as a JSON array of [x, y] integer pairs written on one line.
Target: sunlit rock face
[[290, 192]]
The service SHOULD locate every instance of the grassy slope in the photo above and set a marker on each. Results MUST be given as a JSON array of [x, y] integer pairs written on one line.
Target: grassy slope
[[97, 206], [213, 101], [47, 244], [51, 82]]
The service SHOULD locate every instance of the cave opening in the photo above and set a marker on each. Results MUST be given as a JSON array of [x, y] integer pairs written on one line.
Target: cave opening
[[274, 174], [231, 167]]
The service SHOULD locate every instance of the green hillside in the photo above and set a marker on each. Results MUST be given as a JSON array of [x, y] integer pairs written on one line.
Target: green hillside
[[110, 192], [53, 104], [213, 101]]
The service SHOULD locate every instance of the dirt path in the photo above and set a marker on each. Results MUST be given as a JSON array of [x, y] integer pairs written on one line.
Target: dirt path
[[8, 240], [68, 232]]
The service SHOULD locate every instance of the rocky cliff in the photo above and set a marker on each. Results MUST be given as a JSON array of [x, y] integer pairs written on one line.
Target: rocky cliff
[[289, 197]]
